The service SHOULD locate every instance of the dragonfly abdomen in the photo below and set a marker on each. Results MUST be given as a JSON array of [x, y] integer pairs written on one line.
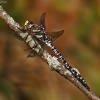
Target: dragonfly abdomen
[[68, 67]]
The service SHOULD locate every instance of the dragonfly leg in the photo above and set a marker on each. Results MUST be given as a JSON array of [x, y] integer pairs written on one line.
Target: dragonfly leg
[[32, 52]]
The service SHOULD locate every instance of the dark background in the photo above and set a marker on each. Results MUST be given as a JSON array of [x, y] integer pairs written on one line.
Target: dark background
[[24, 78]]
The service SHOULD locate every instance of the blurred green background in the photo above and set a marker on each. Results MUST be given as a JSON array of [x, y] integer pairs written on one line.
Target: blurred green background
[[24, 78]]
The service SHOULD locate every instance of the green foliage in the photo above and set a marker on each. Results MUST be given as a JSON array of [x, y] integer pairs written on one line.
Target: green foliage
[[60, 5], [2, 24], [86, 23], [18, 14], [82, 56], [95, 79], [5, 88], [83, 33]]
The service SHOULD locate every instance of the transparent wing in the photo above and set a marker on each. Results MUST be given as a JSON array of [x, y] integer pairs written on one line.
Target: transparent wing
[[42, 20], [54, 35]]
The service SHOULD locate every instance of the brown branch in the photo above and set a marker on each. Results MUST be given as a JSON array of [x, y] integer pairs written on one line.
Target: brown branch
[[53, 63]]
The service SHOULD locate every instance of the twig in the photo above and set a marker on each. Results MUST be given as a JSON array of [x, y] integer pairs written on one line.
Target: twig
[[53, 63]]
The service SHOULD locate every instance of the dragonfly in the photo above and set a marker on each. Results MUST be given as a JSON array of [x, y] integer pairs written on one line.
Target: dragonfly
[[27, 28], [38, 31]]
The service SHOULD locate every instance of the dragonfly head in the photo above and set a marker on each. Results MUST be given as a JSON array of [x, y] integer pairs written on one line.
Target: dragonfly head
[[28, 25]]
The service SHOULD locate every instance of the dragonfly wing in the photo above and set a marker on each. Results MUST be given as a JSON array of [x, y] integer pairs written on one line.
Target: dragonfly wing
[[54, 35], [42, 20]]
